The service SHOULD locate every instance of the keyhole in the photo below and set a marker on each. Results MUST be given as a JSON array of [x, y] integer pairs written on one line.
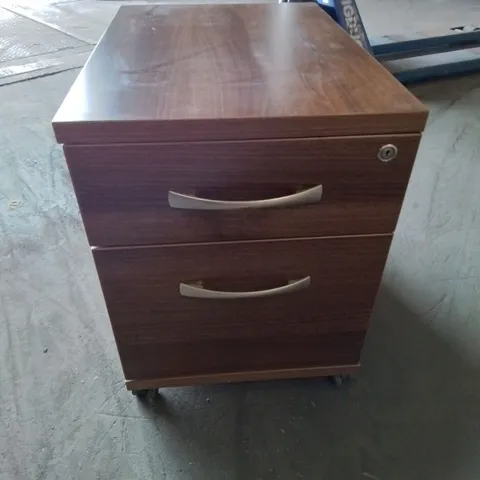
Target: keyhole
[[387, 153]]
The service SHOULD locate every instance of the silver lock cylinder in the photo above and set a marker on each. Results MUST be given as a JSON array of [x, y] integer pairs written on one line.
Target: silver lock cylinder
[[387, 153]]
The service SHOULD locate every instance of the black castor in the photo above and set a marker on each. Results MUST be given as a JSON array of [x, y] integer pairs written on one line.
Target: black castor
[[142, 394], [339, 380]]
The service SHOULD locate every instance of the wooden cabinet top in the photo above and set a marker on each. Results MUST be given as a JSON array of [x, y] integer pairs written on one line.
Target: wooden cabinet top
[[221, 72]]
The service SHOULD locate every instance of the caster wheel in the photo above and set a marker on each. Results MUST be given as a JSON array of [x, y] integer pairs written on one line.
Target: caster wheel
[[339, 380], [143, 394]]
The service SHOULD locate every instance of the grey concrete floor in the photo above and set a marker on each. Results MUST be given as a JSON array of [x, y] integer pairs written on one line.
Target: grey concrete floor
[[413, 411]]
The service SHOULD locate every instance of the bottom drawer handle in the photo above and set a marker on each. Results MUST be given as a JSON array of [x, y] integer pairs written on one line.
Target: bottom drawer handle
[[194, 291]]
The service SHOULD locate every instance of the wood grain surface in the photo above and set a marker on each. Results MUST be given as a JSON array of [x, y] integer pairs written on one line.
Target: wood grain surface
[[216, 357], [177, 73], [122, 190], [159, 332]]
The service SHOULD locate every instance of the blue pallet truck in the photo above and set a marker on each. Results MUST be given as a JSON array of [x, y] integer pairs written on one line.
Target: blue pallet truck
[[415, 58]]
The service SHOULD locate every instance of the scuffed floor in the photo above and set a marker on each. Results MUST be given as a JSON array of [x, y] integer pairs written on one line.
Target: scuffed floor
[[412, 413]]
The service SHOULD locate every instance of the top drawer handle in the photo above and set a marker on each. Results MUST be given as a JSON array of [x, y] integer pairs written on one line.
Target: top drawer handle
[[190, 202]]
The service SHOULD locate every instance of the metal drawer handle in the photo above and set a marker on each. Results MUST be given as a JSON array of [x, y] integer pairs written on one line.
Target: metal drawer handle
[[193, 291], [188, 202]]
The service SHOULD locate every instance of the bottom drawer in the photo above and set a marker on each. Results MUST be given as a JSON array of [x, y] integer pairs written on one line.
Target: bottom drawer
[[216, 308], [230, 356]]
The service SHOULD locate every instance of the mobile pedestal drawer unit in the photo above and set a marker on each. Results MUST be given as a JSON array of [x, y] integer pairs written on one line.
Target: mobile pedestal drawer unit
[[240, 170]]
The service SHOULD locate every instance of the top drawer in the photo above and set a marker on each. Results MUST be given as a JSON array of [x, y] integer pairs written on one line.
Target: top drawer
[[213, 191]]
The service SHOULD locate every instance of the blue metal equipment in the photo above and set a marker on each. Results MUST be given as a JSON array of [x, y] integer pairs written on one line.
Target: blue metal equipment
[[416, 58]]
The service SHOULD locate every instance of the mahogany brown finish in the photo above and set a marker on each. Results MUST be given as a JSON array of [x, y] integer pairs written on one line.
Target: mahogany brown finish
[[236, 357], [225, 72], [151, 319], [123, 190], [237, 103]]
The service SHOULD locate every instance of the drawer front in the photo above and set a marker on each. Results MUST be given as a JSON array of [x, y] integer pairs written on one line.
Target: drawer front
[[286, 299], [215, 191], [155, 361]]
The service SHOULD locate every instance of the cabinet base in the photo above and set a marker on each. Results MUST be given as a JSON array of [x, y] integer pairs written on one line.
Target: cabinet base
[[151, 383]]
